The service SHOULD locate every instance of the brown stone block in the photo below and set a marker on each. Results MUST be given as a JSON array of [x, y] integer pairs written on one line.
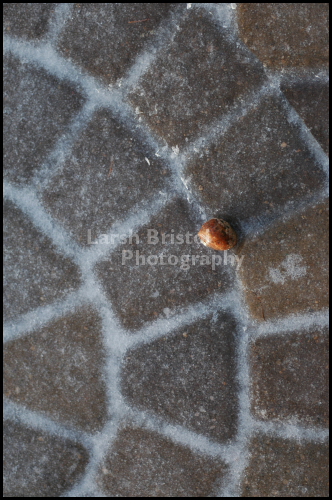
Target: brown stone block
[[311, 102], [107, 175], [105, 38], [285, 35], [35, 273], [257, 168], [26, 20], [36, 464], [141, 288], [143, 463], [188, 377], [197, 77], [290, 378], [57, 370], [37, 110], [282, 468], [285, 270]]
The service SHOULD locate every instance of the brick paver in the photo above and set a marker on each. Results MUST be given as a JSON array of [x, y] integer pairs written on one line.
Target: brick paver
[[286, 35], [197, 391], [108, 175], [290, 378], [104, 38], [58, 371], [33, 124], [151, 290], [35, 273], [37, 464], [299, 470], [172, 469], [170, 95], [27, 21], [311, 101], [137, 367], [259, 167], [286, 268]]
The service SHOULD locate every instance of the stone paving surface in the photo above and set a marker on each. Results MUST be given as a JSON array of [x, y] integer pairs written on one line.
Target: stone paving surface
[[280, 468], [37, 108], [35, 272], [167, 287], [137, 362], [261, 175], [104, 146], [286, 35], [316, 115], [127, 468], [189, 377], [51, 466], [294, 252], [285, 388]]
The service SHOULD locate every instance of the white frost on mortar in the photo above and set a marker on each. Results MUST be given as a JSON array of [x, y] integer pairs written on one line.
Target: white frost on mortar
[[116, 341]]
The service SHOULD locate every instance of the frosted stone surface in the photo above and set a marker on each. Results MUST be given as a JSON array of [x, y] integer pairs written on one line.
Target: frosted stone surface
[[57, 370], [290, 378], [286, 268], [259, 167], [37, 464], [189, 377], [35, 272], [107, 174], [197, 77], [286, 35], [298, 469], [142, 463], [141, 292], [165, 368], [37, 108], [29, 21], [311, 102], [105, 38]]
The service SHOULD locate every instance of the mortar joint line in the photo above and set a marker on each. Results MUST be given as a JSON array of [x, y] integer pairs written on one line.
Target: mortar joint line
[[175, 169]]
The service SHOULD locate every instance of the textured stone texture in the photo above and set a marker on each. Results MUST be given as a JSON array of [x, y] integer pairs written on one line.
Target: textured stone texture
[[285, 270], [57, 370], [35, 273], [143, 463], [286, 34], [140, 293], [91, 92], [189, 378], [290, 378], [107, 174], [103, 39], [37, 108], [281, 468], [197, 78], [257, 168], [26, 20], [311, 101], [36, 464]]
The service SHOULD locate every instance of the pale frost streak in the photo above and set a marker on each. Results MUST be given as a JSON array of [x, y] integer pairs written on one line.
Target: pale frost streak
[[290, 269]]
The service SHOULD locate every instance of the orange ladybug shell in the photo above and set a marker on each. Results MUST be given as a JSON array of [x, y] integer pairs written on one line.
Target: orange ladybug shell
[[217, 234]]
